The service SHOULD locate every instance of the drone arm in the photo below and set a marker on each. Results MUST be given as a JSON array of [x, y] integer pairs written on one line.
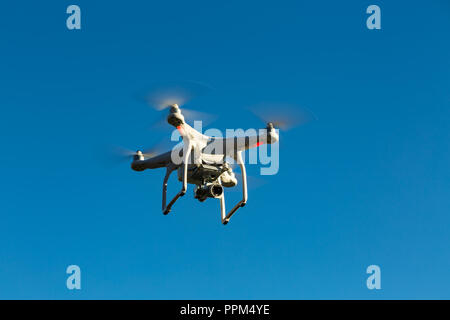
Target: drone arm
[[226, 218], [186, 153]]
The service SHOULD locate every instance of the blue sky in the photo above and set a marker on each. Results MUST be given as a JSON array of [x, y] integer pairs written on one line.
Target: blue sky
[[367, 183]]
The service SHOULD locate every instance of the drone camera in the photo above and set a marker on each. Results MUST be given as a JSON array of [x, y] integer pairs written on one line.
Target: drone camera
[[216, 190], [208, 190]]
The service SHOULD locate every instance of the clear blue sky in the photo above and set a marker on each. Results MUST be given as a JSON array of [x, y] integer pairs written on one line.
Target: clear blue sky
[[368, 183]]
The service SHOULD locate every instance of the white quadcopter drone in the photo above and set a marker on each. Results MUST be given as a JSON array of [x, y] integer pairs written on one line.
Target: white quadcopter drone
[[202, 160], [201, 163]]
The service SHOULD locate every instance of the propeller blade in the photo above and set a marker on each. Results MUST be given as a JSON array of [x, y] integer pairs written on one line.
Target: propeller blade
[[162, 96], [121, 154], [282, 116]]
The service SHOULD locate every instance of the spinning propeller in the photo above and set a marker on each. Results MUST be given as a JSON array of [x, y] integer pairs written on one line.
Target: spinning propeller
[[282, 116], [163, 96], [122, 154]]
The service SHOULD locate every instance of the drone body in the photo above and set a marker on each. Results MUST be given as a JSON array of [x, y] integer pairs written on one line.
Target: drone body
[[201, 160]]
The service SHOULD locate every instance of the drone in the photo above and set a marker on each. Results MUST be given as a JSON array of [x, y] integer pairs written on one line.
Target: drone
[[204, 162]]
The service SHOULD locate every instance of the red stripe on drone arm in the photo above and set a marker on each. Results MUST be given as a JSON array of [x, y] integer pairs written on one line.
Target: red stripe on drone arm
[[257, 144], [180, 130]]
